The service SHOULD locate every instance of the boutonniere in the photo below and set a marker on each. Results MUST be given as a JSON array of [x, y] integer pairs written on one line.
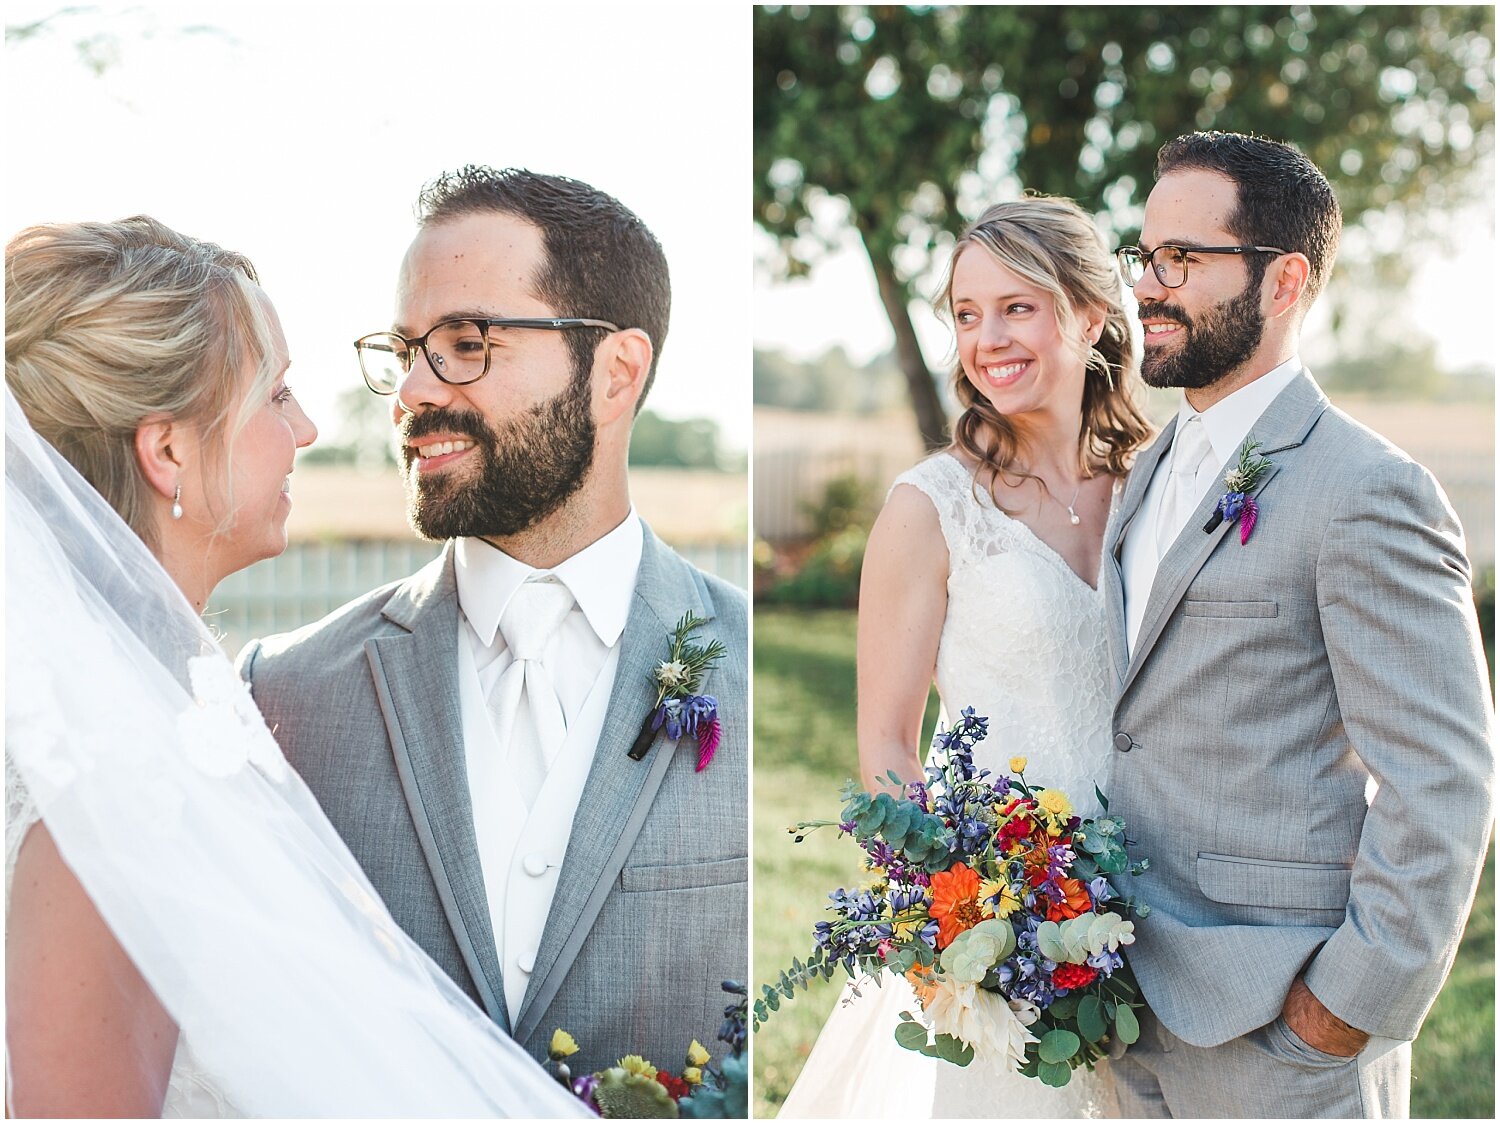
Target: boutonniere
[[1237, 505], [678, 706]]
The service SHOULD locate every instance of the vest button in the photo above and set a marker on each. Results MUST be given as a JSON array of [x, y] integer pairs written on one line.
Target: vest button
[[526, 963], [1124, 742], [535, 864]]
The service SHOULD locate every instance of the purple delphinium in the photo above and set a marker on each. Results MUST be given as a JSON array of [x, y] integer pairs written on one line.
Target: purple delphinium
[[1105, 961], [685, 716], [583, 1089]]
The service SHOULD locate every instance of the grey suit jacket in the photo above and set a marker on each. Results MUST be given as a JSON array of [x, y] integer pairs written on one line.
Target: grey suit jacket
[[651, 909], [1270, 684]]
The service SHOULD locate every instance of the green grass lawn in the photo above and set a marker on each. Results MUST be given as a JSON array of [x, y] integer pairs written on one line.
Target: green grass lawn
[[805, 750]]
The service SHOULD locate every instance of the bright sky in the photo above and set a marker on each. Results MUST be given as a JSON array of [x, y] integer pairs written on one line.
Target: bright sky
[[301, 134]]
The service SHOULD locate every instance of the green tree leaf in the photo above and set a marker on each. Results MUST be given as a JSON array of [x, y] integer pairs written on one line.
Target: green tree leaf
[[1058, 1045]]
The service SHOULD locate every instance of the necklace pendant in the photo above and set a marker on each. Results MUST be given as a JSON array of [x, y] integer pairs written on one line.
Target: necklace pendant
[[1073, 517]]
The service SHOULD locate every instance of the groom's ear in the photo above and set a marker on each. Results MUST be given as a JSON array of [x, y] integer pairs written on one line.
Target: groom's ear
[[625, 357], [1288, 281], [159, 462]]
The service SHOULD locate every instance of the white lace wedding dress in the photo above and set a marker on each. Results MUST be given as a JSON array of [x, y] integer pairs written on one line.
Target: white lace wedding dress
[[1023, 644]]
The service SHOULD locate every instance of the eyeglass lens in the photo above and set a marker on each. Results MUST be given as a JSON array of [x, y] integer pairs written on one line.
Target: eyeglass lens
[[456, 349]]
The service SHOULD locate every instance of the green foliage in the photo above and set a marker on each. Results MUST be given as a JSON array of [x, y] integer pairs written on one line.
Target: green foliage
[[847, 501], [903, 123], [1484, 603], [658, 442], [729, 1103], [830, 576], [829, 383], [360, 434], [921, 836]]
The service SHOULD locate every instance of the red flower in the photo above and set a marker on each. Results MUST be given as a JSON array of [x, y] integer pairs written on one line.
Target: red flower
[[1071, 976], [676, 1087]]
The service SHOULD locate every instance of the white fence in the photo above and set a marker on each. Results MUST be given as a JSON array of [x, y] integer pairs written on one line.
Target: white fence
[[313, 578]]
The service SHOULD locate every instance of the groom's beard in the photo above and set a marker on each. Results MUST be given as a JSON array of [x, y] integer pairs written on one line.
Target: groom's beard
[[528, 469], [1217, 342]]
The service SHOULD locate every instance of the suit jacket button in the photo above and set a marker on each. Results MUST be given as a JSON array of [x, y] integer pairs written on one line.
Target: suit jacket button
[[1124, 742], [535, 864]]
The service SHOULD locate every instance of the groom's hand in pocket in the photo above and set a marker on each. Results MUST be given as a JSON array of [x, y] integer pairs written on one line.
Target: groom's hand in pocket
[[1316, 1025]]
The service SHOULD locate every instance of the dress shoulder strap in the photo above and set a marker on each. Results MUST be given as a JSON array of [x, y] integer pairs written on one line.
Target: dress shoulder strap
[[944, 480]]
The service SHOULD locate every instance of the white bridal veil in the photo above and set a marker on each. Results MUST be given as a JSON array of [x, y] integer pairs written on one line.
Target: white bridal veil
[[204, 853]]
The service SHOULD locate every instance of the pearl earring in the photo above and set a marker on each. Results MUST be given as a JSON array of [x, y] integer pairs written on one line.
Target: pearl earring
[[177, 503]]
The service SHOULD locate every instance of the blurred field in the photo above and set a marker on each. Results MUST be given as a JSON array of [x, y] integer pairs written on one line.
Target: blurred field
[[682, 505], [805, 750]]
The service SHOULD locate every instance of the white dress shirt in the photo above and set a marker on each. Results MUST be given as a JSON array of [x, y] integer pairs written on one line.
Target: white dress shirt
[[520, 849], [1227, 422]]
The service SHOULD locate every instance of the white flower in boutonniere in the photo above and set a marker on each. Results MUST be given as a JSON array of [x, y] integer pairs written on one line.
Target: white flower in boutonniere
[[678, 707], [1237, 505]]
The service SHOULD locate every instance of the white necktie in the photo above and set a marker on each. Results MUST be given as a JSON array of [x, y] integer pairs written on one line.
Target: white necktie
[[1189, 448], [523, 705]]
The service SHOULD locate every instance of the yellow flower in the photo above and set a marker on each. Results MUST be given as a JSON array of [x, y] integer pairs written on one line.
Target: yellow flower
[[1005, 902], [634, 1063], [906, 926], [693, 1075], [1018, 764], [697, 1055], [1055, 804], [562, 1045]]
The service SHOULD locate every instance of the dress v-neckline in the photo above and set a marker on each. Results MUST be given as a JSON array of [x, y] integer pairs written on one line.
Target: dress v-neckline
[[1047, 549]]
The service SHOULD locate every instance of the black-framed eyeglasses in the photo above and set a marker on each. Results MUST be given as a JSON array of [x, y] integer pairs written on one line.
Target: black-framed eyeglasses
[[458, 351], [1169, 263]]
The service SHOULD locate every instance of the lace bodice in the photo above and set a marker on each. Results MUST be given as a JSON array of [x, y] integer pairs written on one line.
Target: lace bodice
[[192, 1093], [1023, 641]]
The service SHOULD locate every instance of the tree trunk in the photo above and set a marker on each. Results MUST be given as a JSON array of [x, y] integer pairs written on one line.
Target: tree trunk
[[932, 424]]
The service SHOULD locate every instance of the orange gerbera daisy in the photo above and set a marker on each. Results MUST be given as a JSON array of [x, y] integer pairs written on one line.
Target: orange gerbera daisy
[[955, 902], [1077, 903]]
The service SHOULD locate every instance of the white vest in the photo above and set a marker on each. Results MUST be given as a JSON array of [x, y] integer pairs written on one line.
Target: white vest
[[521, 853]]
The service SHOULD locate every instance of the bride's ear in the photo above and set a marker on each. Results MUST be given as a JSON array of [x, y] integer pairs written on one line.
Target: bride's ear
[[156, 456]]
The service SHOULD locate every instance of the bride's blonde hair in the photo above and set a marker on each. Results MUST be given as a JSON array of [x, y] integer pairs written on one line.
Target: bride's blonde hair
[[1053, 244], [110, 324]]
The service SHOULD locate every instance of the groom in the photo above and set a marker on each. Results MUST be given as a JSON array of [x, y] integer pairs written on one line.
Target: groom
[[1303, 728], [469, 730]]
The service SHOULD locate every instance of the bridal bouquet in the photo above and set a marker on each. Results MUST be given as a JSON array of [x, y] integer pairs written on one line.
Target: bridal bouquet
[[994, 899], [634, 1088]]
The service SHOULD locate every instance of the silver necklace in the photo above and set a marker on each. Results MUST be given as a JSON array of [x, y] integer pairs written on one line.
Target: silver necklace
[[1072, 515]]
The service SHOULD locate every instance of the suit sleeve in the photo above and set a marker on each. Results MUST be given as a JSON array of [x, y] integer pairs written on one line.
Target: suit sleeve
[[1398, 618]]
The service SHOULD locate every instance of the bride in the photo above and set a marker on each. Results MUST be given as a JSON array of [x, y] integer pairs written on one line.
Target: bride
[[982, 572], [185, 933]]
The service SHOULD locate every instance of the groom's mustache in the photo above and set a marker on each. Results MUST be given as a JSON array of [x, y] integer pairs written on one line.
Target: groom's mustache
[[465, 423], [1149, 310]]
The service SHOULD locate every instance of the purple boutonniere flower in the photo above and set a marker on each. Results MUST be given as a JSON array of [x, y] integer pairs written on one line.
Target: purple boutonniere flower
[[1237, 505], [679, 708]]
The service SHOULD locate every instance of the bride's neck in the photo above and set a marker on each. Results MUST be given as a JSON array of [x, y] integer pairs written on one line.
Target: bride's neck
[[191, 570], [1047, 445]]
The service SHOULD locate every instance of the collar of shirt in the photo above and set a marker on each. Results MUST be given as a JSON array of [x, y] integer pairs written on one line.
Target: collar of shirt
[[1228, 421], [601, 578]]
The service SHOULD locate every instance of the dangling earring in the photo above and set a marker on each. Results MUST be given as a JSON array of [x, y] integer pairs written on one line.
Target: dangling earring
[[177, 503]]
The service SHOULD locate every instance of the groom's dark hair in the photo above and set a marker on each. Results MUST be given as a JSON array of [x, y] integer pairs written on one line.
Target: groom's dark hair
[[603, 263], [1282, 199]]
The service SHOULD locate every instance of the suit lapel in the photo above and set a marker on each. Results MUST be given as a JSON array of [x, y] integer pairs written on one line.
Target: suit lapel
[[619, 792], [416, 681], [1113, 575], [1284, 425]]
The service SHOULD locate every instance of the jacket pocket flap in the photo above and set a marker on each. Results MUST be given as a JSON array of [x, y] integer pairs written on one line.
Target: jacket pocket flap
[[685, 876], [1275, 883], [1191, 608]]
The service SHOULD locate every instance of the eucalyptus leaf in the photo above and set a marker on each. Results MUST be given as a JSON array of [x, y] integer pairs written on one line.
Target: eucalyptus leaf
[[1056, 1074], [1126, 1025], [954, 1050], [911, 1036], [1058, 1045], [1065, 1007], [1091, 1022]]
